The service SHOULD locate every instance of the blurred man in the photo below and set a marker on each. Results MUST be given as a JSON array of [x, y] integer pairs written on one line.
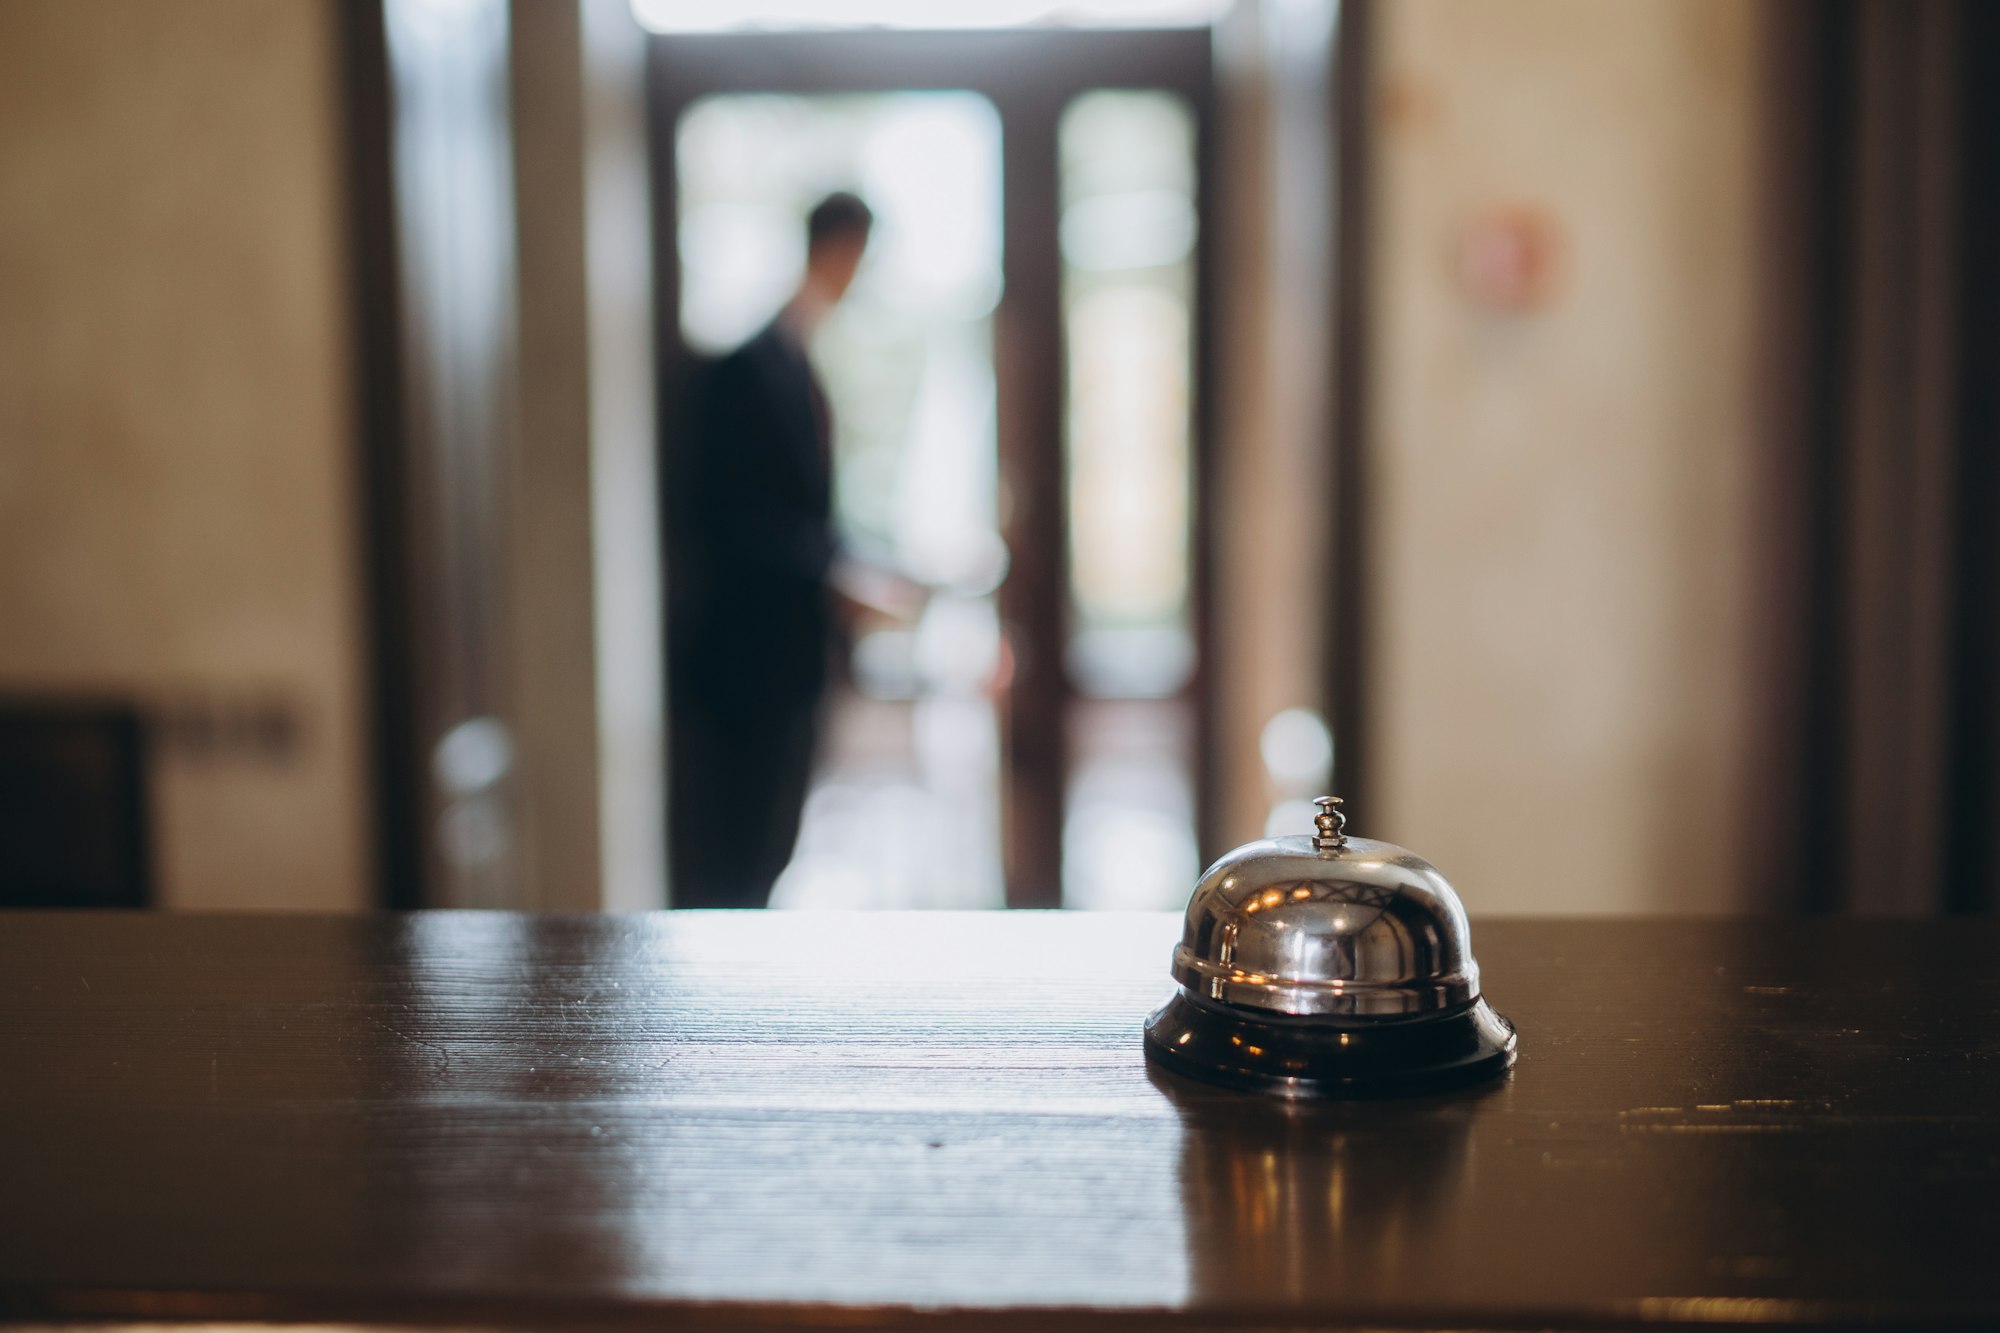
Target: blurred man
[[751, 620]]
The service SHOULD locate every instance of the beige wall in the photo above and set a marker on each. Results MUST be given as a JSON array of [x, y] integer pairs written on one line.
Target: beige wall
[[176, 508], [1560, 528], [1273, 334], [552, 685]]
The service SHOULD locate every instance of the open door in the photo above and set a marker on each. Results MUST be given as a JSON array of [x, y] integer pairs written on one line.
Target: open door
[[1017, 388]]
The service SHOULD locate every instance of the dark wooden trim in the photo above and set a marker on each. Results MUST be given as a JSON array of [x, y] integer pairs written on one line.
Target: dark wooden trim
[[1014, 68], [1819, 231], [394, 761], [1794, 758], [1029, 363], [1347, 645], [1871, 776], [673, 362], [1972, 838]]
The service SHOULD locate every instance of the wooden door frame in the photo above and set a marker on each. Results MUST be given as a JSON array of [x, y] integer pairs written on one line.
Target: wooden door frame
[[1346, 612], [396, 749], [1030, 76]]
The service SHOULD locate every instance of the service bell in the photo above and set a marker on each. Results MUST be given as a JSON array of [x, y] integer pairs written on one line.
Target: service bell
[[1327, 966]]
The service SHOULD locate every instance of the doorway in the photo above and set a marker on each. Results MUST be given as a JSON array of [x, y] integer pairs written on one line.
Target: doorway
[[1017, 386]]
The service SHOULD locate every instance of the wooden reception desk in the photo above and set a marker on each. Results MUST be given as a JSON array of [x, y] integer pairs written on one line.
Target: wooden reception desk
[[916, 1121]]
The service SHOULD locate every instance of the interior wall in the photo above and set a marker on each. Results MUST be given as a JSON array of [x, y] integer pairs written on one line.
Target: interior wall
[[624, 505], [1559, 504], [1273, 328], [177, 518], [584, 688], [552, 682]]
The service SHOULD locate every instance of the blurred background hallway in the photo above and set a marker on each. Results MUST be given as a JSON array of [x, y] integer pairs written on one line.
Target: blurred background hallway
[[1550, 418]]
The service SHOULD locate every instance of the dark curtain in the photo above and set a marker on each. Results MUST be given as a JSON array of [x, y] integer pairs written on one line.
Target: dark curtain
[[1873, 787]]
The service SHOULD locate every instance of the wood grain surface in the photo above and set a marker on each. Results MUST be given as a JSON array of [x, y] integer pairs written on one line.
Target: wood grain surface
[[769, 1119]]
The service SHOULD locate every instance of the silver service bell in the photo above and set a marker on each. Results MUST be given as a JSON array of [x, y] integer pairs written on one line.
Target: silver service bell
[[1327, 966]]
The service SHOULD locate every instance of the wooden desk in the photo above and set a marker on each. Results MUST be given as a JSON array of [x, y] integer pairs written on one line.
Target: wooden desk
[[909, 1120]]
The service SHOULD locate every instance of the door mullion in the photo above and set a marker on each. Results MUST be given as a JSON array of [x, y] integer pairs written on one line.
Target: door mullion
[[1034, 601]]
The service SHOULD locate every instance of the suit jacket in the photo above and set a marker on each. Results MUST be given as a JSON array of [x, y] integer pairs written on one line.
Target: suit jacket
[[751, 620]]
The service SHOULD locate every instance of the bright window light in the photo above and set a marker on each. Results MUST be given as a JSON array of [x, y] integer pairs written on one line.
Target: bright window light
[[692, 16]]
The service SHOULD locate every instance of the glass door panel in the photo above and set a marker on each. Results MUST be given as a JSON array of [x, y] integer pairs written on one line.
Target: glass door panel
[[1128, 237]]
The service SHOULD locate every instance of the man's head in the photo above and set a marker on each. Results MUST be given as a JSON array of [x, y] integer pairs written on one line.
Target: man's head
[[836, 234]]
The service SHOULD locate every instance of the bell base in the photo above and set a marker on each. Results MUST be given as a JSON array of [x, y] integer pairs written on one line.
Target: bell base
[[1307, 1059]]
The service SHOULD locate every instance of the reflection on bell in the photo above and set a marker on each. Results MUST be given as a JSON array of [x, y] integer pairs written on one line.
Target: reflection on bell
[[1327, 966]]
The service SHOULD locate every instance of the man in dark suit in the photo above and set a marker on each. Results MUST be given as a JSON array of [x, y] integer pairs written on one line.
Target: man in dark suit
[[751, 618]]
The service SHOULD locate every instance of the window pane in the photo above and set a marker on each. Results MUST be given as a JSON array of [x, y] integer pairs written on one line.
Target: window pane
[[1128, 237], [1129, 232]]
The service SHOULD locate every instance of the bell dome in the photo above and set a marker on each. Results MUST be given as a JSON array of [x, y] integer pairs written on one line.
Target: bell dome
[[1327, 965]]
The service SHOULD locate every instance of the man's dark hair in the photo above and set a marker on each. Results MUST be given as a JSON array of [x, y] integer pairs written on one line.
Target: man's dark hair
[[838, 217]]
